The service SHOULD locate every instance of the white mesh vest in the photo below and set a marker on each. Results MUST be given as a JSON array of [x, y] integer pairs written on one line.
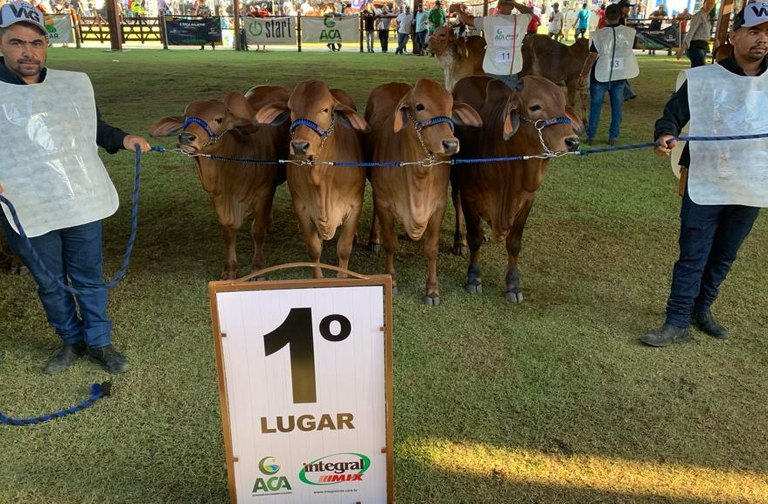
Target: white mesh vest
[[50, 169], [722, 103], [616, 61]]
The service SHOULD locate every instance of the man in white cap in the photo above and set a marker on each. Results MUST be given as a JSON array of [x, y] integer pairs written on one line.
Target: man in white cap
[[52, 173], [723, 181], [504, 34]]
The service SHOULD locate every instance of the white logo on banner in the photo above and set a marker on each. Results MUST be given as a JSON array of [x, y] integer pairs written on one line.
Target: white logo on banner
[[330, 29], [276, 31]]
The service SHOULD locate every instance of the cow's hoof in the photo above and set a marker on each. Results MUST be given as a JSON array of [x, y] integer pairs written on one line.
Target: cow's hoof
[[474, 287], [459, 249], [375, 247], [432, 300], [514, 297]]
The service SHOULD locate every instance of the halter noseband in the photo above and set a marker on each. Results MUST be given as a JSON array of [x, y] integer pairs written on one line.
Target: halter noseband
[[543, 123], [212, 137]]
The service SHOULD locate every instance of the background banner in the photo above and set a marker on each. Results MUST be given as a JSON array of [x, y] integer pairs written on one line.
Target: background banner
[[275, 31], [330, 29], [669, 37], [59, 28], [185, 31]]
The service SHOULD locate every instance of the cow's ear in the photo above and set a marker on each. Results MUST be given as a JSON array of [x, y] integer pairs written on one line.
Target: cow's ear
[[466, 115], [272, 113], [402, 114], [167, 126], [238, 106], [511, 118], [349, 117]]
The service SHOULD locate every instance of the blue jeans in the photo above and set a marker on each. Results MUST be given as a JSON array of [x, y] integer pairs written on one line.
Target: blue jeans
[[710, 237], [698, 57], [420, 41], [73, 253], [597, 92], [402, 40]]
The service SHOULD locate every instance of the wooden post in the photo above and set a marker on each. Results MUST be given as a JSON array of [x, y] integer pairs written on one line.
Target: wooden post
[[724, 18], [236, 24], [115, 30], [163, 33], [298, 29], [76, 25], [362, 32]]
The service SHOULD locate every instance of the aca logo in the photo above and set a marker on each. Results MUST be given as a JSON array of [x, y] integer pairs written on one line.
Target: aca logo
[[336, 468], [269, 467], [331, 33]]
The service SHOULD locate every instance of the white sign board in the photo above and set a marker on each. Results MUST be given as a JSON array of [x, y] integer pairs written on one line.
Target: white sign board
[[274, 31], [305, 382], [328, 29], [59, 27]]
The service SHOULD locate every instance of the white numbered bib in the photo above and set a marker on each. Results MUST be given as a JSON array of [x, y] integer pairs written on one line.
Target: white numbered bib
[[503, 56]]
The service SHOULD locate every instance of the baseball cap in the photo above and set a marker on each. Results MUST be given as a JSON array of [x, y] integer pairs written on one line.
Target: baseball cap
[[625, 3], [22, 12], [751, 15]]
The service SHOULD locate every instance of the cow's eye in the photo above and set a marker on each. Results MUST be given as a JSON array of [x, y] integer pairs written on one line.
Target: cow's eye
[[419, 107], [534, 108], [219, 120], [325, 110]]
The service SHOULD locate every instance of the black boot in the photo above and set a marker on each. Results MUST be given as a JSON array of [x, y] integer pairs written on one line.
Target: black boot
[[109, 358], [64, 358], [706, 323], [666, 335]]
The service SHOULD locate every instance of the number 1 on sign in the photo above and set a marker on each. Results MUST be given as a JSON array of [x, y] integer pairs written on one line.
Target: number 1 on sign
[[296, 333]]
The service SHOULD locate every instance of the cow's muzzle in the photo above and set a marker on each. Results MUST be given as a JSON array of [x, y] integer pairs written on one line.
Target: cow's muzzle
[[299, 147], [572, 143]]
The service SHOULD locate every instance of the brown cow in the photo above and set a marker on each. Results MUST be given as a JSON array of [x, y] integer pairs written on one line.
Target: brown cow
[[413, 124], [564, 65], [459, 57], [324, 128], [236, 189], [502, 193]]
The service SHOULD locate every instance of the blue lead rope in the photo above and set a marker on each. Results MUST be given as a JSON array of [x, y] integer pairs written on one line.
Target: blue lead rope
[[98, 390], [131, 238]]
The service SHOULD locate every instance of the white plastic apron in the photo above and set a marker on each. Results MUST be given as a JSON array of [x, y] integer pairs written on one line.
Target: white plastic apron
[[504, 36], [615, 62], [729, 172], [49, 168]]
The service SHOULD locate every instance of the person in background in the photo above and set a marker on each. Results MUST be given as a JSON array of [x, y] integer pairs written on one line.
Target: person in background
[[404, 22], [369, 21], [718, 208], [436, 17], [601, 17], [581, 25], [616, 63], [503, 57], [695, 44], [555, 27], [624, 7], [533, 25], [70, 254], [384, 23], [420, 32]]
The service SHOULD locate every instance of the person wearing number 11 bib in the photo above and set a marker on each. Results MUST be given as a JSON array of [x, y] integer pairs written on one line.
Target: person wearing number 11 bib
[[616, 63], [504, 34]]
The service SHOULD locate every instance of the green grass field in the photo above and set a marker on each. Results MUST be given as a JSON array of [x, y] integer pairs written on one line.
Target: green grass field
[[553, 401]]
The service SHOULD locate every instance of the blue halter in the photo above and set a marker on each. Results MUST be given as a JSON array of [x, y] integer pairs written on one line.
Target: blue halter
[[420, 125], [543, 123], [311, 125], [196, 120]]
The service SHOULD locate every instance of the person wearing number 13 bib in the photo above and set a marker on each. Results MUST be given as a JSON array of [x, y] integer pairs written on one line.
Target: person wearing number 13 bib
[[616, 63], [51, 171], [504, 34]]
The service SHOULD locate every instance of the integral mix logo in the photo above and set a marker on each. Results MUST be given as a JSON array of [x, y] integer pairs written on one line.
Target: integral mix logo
[[336, 468], [272, 484]]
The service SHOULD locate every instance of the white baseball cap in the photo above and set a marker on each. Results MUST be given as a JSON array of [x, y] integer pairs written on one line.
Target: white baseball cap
[[22, 12], [751, 15]]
